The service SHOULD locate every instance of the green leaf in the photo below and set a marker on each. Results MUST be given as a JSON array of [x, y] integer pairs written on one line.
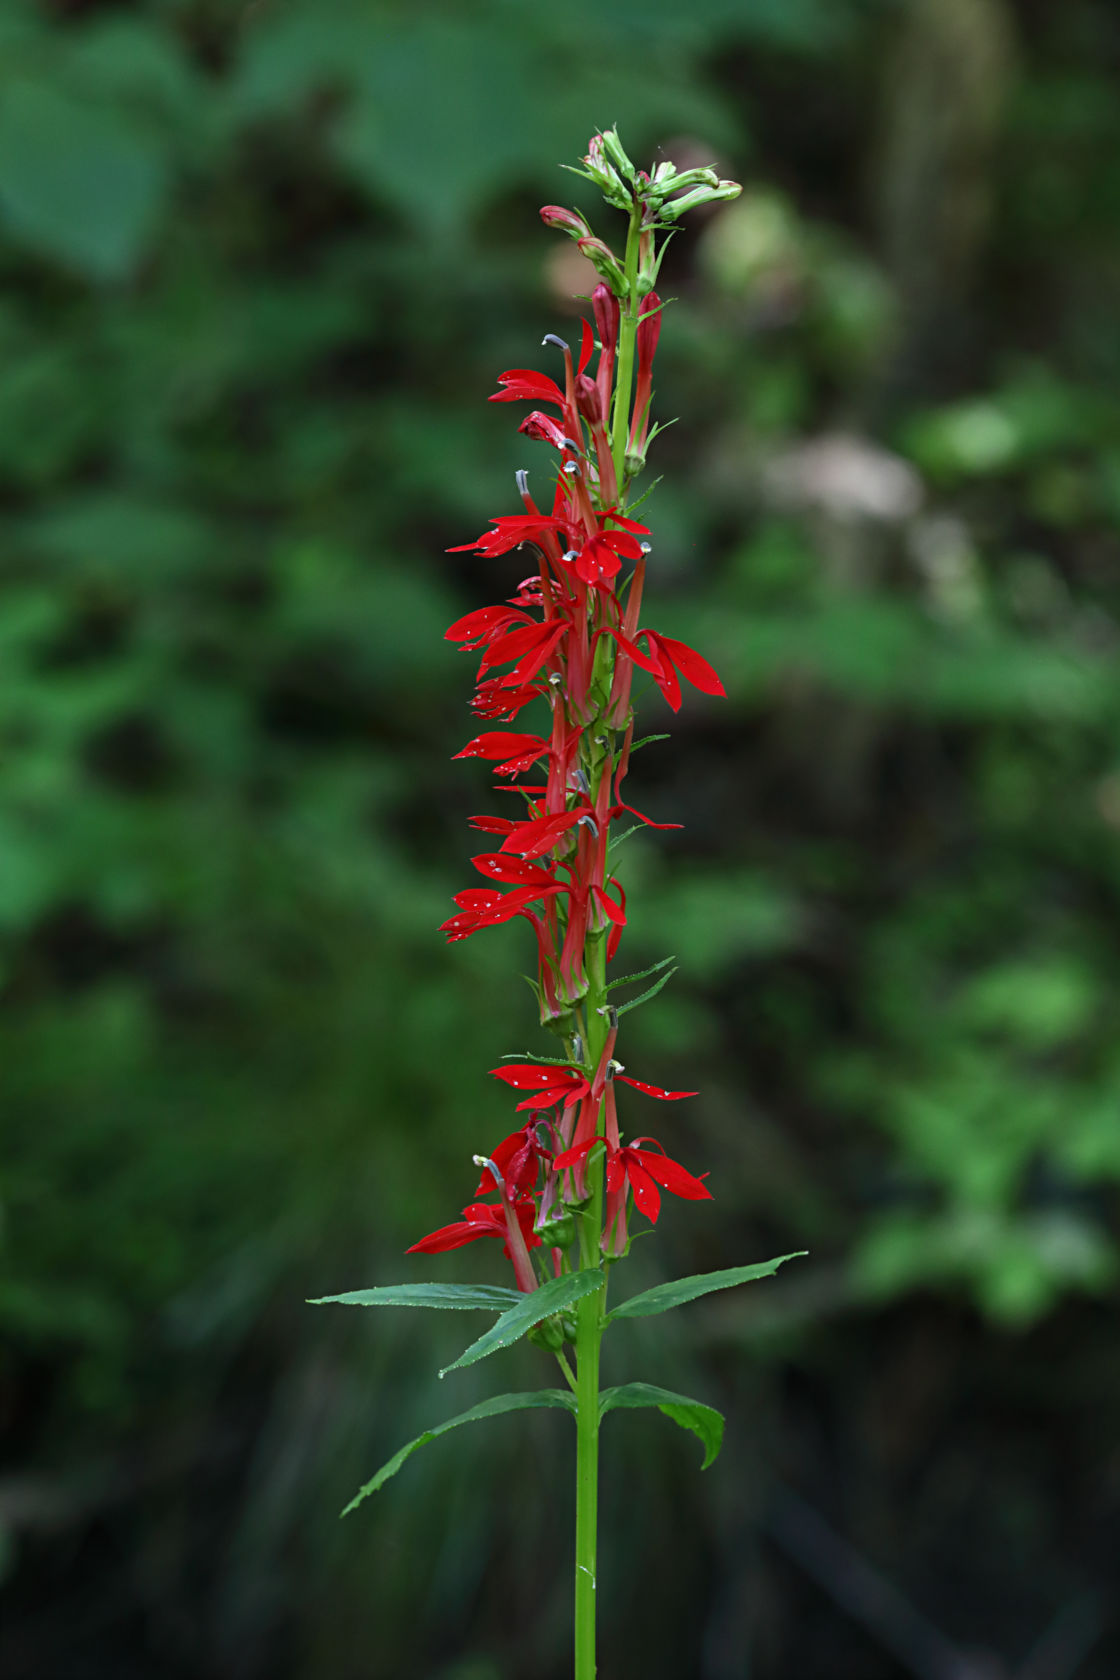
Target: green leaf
[[486, 1408], [645, 741], [642, 974], [665, 1296], [616, 839], [704, 1421], [531, 1056], [551, 1297], [78, 181], [650, 992], [483, 1297]]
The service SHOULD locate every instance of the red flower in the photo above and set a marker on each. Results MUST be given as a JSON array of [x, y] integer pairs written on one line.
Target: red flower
[[483, 625], [481, 907], [510, 530], [549, 1085], [539, 426], [645, 1171], [512, 1221], [522, 383], [666, 658], [637, 1169], [517, 1159], [517, 752], [531, 839]]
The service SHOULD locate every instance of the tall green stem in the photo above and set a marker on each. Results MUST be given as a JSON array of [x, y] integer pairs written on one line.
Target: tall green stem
[[589, 1334], [627, 338], [590, 1311]]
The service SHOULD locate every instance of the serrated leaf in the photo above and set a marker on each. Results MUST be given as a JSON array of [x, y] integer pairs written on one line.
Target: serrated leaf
[[482, 1297], [487, 1408], [665, 1296], [704, 1421], [642, 974], [616, 839], [650, 991], [551, 1297], [530, 1056]]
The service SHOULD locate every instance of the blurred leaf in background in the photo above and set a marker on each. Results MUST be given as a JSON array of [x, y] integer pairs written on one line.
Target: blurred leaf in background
[[258, 267]]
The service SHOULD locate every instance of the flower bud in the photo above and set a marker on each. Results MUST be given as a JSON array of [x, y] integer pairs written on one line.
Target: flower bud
[[699, 195], [557, 1233], [588, 400], [607, 314], [649, 331], [547, 1335], [606, 263], [569, 221], [602, 172], [613, 147], [689, 178]]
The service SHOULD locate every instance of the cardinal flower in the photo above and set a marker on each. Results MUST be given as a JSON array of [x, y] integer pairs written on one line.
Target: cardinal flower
[[633, 1168], [513, 1221]]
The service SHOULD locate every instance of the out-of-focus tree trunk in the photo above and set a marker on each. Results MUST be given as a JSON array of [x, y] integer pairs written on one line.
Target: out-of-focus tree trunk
[[946, 85]]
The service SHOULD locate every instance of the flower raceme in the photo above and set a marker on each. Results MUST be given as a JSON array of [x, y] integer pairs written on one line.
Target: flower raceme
[[569, 647], [569, 642]]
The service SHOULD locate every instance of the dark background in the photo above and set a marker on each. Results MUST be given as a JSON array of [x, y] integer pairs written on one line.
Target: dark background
[[260, 265]]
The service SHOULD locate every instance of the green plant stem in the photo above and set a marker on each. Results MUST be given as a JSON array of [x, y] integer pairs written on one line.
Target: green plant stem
[[588, 1336], [590, 1313], [591, 1310], [624, 377]]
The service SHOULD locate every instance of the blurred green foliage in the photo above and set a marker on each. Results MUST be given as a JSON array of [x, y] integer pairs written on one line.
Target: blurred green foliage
[[259, 267]]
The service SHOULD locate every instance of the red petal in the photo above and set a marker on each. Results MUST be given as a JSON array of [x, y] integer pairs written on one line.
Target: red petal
[[462, 1232], [609, 907], [597, 561], [477, 898], [528, 1076], [572, 1157], [502, 744], [476, 624], [672, 1175], [649, 822], [623, 543], [655, 1090], [634, 652], [511, 871], [666, 677], [525, 382], [587, 345], [495, 825], [535, 658], [692, 665], [647, 1197], [540, 427], [530, 839], [627, 524]]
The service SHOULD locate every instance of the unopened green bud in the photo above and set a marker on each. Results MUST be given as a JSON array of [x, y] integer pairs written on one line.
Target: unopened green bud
[[548, 1334], [606, 264], [569, 221], [558, 1233], [602, 172], [613, 147], [689, 178], [699, 195]]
